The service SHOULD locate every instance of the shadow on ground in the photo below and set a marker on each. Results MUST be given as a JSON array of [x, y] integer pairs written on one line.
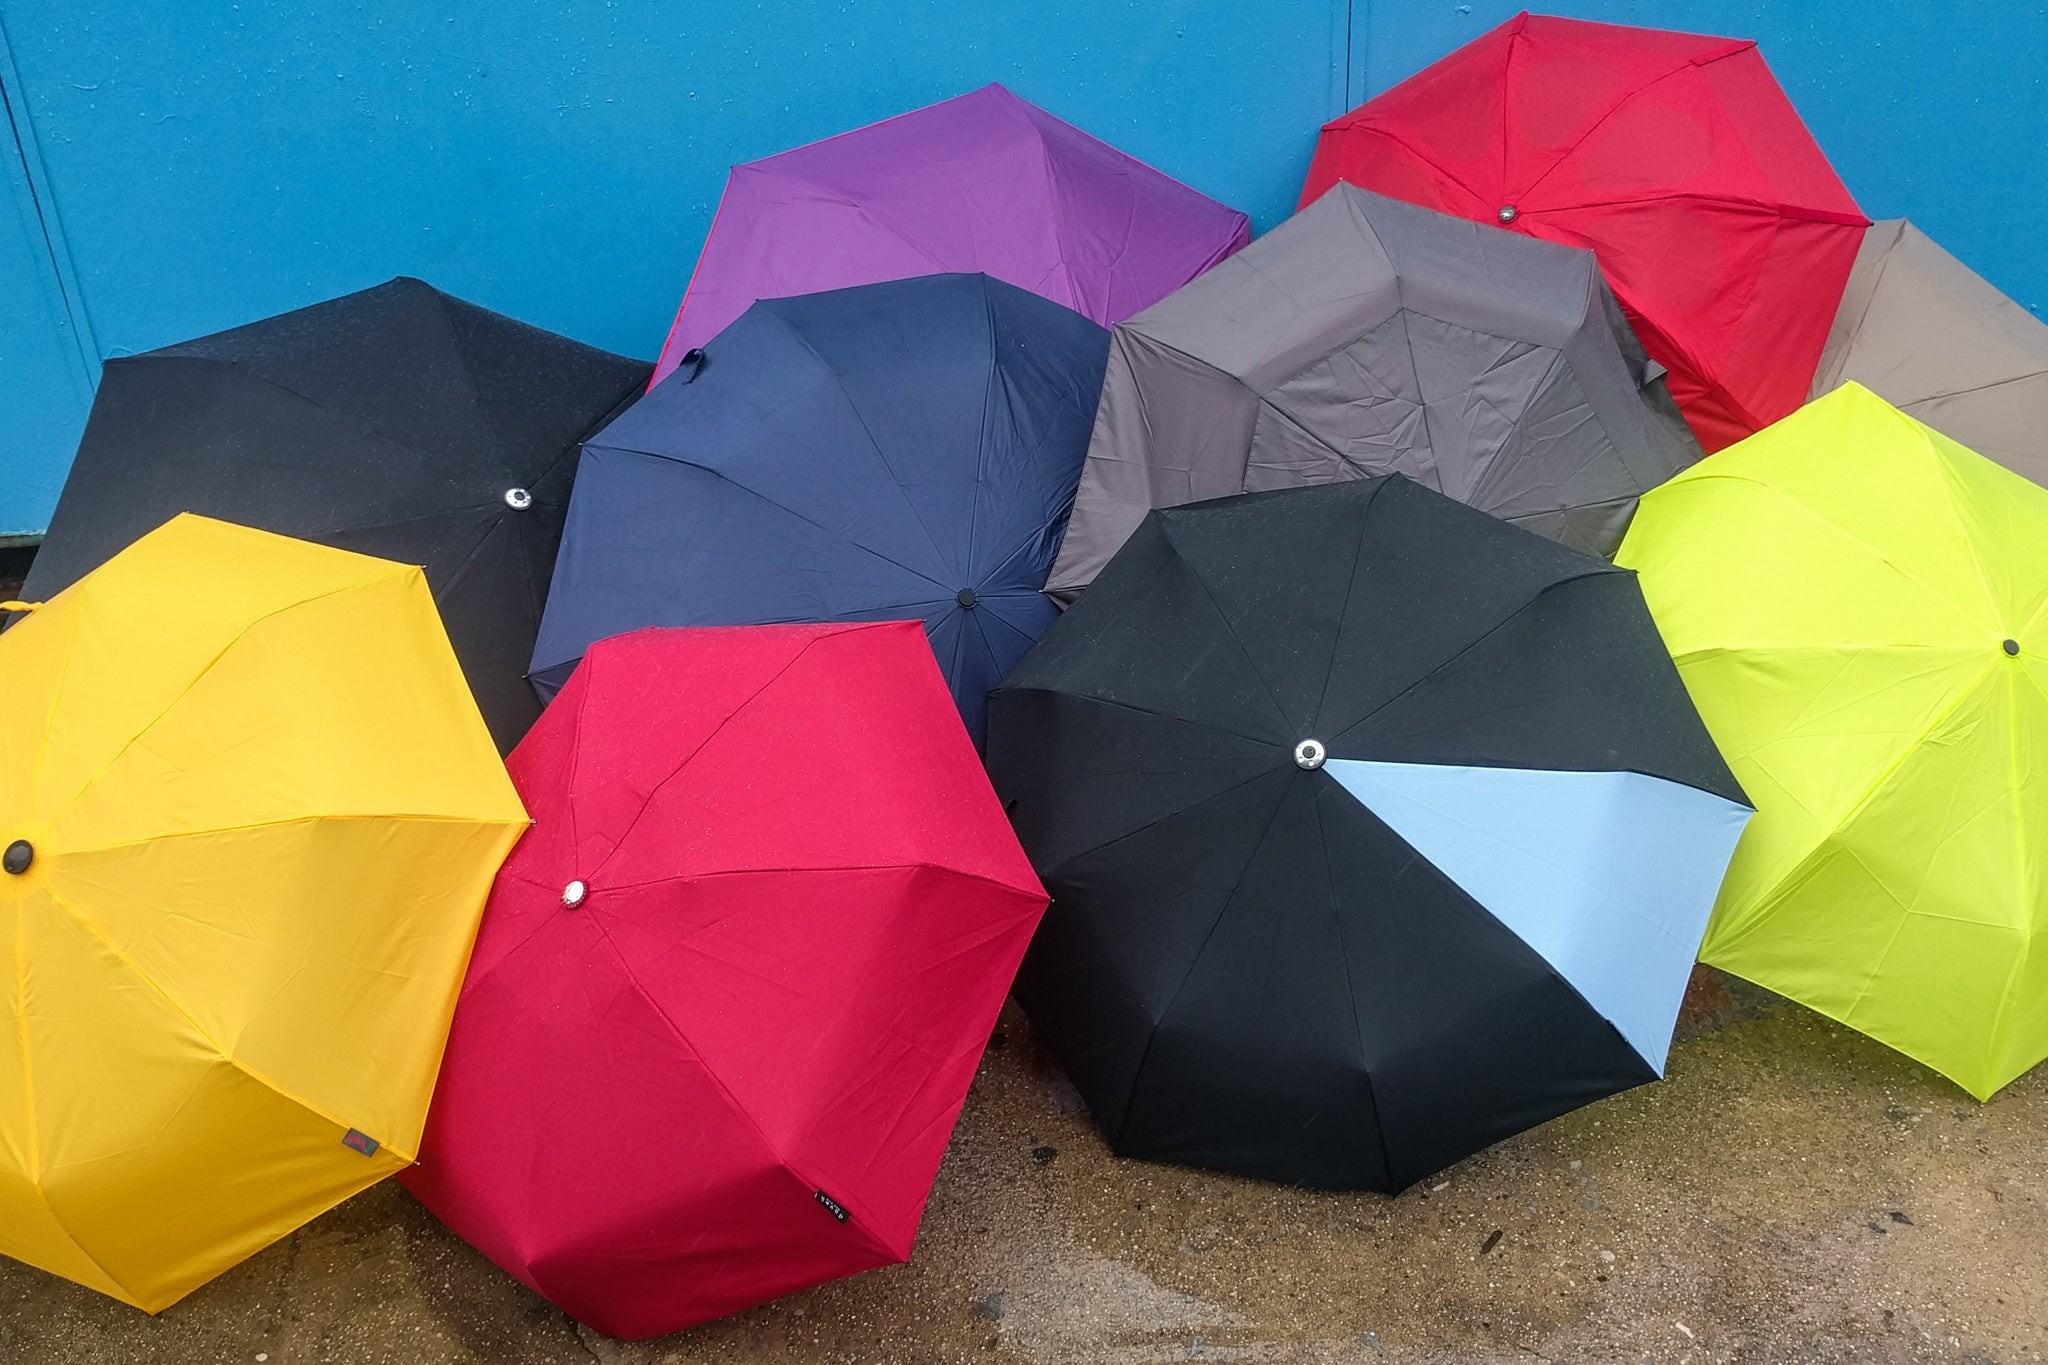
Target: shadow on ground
[[1793, 1192]]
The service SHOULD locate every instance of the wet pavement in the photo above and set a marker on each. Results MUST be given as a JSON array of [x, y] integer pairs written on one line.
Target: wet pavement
[[1793, 1192]]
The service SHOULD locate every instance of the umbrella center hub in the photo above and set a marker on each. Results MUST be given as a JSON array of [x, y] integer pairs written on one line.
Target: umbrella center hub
[[2012, 647], [1508, 213], [573, 894], [18, 856], [966, 598], [518, 499], [1310, 754]]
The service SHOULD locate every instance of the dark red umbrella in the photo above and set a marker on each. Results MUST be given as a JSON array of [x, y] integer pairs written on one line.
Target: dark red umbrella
[[731, 988], [1675, 158]]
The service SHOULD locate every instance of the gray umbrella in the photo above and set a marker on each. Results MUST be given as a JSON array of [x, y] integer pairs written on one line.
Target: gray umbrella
[[1930, 336], [1367, 336]]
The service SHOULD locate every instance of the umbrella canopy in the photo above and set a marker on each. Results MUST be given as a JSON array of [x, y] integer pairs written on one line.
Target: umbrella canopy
[[1377, 830], [1675, 157], [1886, 715], [897, 450], [397, 422], [731, 991], [1367, 336], [250, 816], [1932, 336], [986, 182]]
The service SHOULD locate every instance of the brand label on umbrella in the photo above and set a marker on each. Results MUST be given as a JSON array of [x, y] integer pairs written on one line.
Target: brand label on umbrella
[[360, 1142], [832, 1206]]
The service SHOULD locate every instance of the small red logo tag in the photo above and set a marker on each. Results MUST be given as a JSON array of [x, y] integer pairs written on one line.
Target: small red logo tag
[[359, 1142]]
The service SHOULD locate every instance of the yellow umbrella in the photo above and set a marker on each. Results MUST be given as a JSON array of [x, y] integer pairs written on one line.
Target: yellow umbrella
[[1859, 607], [250, 815]]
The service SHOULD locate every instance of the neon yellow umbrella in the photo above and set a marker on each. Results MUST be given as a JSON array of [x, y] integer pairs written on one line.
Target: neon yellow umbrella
[[249, 815], [1859, 606]]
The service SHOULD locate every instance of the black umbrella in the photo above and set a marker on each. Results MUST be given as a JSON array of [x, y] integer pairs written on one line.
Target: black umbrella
[[1377, 830], [396, 421]]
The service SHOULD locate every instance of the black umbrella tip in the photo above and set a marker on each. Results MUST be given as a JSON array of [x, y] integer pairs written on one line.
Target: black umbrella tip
[[966, 598], [2012, 647], [18, 856]]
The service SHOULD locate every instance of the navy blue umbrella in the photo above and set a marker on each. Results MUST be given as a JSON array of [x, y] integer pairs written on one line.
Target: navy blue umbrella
[[896, 450]]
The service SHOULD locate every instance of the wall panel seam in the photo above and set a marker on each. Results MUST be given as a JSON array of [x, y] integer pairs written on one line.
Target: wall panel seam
[[14, 105]]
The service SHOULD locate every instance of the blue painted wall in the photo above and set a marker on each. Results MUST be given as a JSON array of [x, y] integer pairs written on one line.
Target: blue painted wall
[[184, 165]]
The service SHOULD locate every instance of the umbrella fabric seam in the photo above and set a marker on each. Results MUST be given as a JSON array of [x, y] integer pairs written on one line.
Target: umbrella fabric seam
[[200, 674], [1770, 902], [724, 477], [691, 757], [1351, 987], [1497, 627], [225, 1053], [1195, 958]]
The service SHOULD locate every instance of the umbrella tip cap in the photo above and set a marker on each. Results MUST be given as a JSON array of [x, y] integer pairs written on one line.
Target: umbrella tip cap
[[518, 499], [966, 598], [1309, 754], [1507, 214], [18, 856], [2012, 647], [573, 894]]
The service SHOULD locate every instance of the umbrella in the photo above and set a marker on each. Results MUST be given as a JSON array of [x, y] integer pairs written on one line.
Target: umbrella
[[730, 993], [1935, 338], [396, 421], [1376, 829], [984, 182], [1860, 607], [906, 449], [250, 816], [1675, 157], [1367, 336]]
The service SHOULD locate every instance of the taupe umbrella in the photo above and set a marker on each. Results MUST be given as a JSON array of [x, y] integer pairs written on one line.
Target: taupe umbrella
[[1367, 336], [1932, 337]]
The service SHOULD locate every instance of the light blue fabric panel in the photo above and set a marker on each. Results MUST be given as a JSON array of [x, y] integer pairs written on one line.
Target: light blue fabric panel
[[1610, 876]]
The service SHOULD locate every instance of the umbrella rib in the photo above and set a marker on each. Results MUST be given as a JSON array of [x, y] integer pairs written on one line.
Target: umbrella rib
[[1405, 145], [895, 480], [407, 817], [225, 1053], [35, 1160], [35, 786], [495, 434], [1052, 873], [1593, 127], [1731, 201], [1755, 916], [597, 424], [1128, 706], [981, 435], [1709, 471], [1481, 639], [692, 877], [732, 1100], [1351, 991], [683, 763], [201, 673], [1955, 511], [240, 368], [1344, 611], [724, 477], [1166, 533], [1195, 959]]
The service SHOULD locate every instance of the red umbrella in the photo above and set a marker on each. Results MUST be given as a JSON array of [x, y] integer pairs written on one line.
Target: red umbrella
[[731, 988], [1675, 158]]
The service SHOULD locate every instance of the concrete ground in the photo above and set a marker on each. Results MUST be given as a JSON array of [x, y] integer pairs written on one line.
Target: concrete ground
[[1793, 1192]]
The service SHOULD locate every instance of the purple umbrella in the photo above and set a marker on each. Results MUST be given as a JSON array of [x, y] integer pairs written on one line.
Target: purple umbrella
[[983, 183]]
